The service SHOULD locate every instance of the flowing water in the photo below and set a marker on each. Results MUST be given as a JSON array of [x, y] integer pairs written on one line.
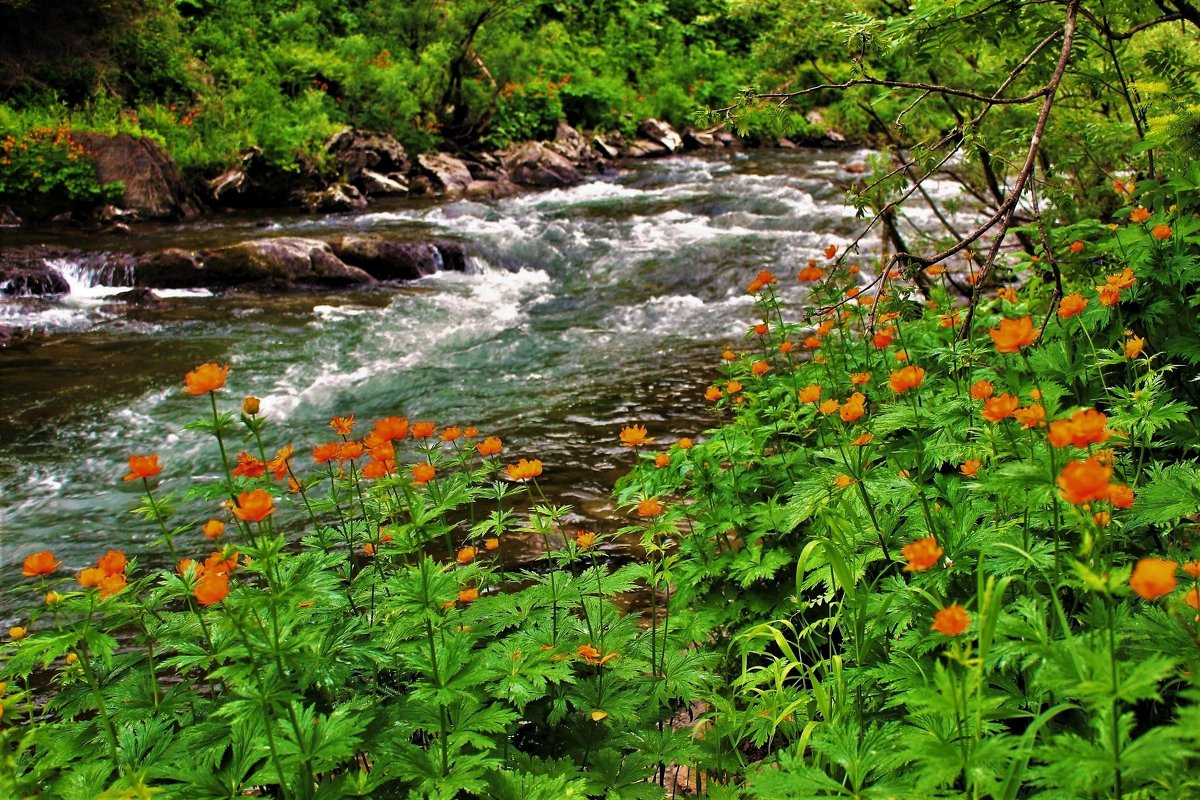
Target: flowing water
[[584, 310]]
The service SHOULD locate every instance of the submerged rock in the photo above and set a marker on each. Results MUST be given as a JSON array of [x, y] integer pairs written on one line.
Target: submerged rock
[[24, 271], [387, 259], [276, 263]]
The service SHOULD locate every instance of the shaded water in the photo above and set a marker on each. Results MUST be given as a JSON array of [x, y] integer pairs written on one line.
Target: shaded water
[[587, 309]]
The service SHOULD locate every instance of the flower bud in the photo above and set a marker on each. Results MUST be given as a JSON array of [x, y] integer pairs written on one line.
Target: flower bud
[[250, 406]]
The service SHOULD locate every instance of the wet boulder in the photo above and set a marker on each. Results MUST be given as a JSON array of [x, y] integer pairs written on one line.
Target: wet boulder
[[25, 271], [604, 149], [139, 297], [445, 173], [153, 186], [277, 263], [374, 184], [388, 259], [532, 164], [169, 269], [660, 132], [699, 140], [571, 144], [645, 148], [339, 197], [454, 255], [355, 151]]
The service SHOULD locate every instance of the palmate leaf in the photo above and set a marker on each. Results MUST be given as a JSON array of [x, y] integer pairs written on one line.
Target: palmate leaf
[[1171, 493], [758, 563]]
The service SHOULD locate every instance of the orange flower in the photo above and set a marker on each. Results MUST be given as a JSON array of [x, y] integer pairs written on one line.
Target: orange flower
[[349, 451], [760, 329], [1140, 214], [17, 632], [470, 432], [588, 652], [1133, 346], [901, 355], [831, 251], [585, 539], [684, 443], [728, 355], [391, 428], [842, 481], [248, 466], [1192, 568], [524, 470], [1013, 334], [142, 467], [763, 279], [1125, 279], [1084, 481], [491, 543], [907, 378], [468, 595], [1192, 598], [1071, 305], [1008, 293], [981, 390], [882, 339], [810, 393], [251, 406], [733, 387], [279, 464], [1076, 246], [812, 342], [112, 563], [759, 368], [825, 328], [489, 446], [423, 430], [1120, 495], [377, 469], [1153, 578], [859, 378], [1085, 427], [1102, 519], [205, 378], [254, 506], [38, 564], [810, 273], [998, 408], [635, 436], [786, 347], [90, 576], [712, 394], [853, 408], [110, 585], [466, 555], [212, 588], [1161, 232], [324, 453], [828, 407], [649, 508], [951, 620], [970, 467], [213, 529], [342, 425], [662, 460], [423, 474], [1032, 416], [862, 440], [922, 554], [450, 434], [369, 550]]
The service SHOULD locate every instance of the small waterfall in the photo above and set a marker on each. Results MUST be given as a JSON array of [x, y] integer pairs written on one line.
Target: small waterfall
[[93, 276]]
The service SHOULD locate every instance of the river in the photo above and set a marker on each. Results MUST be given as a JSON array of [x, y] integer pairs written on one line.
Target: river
[[584, 310]]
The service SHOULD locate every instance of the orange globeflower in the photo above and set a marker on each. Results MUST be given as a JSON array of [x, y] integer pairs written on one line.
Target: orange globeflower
[[1084, 481], [881, 340], [1140, 214], [1161, 232], [279, 464], [524, 470], [1071, 305], [712, 394], [1008, 293], [853, 408], [1125, 279], [141, 467], [810, 393], [212, 588], [213, 529], [1192, 598], [1109, 295], [377, 468], [492, 543], [468, 595], [786, 347], [998, 408], [423, 430], [1085, 427], [728, 355], [684, 443], [1032, 416], [251, 406], [423, 474], [907, 378], [391, 428], [859, 378], [733, 387], [90, 576], [465, 555], [828, 407], [981, 390], [1192, 568], [759, 368], [862, 440], [248, 466], [1076, 246], [254, 506], [342, 425], [635, 436], [489, 446], [1133, 346], [324, 453], [760, 329], [351, 450], [810, 273], [451, 434], [1013, 334], [1120, 495], [649, 508], [842, 481], [112, 563], [812, 342], [831, 251], [110, 585], [922, 554], [38, 564], [662, 460], [205, 378], [970, 467], [1153, 578], [584, 539], [951, 620], [470, 432]]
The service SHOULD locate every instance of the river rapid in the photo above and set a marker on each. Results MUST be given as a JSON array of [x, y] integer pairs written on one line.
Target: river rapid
[[583, 310]]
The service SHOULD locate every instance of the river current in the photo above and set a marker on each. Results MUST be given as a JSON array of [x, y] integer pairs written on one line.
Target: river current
[[583, 310]]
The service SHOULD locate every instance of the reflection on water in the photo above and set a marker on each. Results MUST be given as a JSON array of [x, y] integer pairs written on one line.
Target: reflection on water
[[587, 309]]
